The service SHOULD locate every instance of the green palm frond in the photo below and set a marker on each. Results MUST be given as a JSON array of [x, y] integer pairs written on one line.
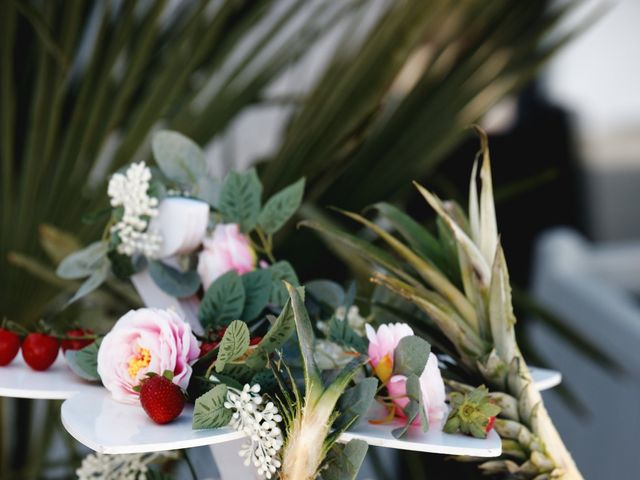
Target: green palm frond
[[83, 84]]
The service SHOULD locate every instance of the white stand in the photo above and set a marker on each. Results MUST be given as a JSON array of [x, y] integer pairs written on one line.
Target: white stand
[[94, 419]]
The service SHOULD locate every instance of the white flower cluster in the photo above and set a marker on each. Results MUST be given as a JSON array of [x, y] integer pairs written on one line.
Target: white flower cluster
[[260, 423], [129, 190], [119, 467]]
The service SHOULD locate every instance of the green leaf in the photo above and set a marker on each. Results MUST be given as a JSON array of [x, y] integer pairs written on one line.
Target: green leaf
[[341, 333], [84, 362], [257, 288], [411, 356], [414, 409], [281, 207], [121, 265], [278, 334], [84, 262], [208, 189], [96, 279], [306, 341], [172, 281], [238, 372], [326, 292], [355, 402], [179, 158], [209, 410], [240, 199], [267, 381], [223, 301], [344, 461], [281, 271], [234, 343]]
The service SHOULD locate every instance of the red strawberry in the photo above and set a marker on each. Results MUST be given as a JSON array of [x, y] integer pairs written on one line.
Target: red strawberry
[[206, 347], [161, 399], [9, 346], [40, 350], [490, 423], [80, 343]]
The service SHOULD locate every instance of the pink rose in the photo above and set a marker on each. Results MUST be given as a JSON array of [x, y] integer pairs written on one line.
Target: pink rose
[[432, 388], [226, 249], [142, 341], [382, 346]]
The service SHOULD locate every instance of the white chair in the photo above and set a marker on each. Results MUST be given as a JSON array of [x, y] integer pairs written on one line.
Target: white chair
[[591, 288]]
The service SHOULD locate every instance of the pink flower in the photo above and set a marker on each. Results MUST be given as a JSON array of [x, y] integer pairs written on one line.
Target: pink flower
[[382, 346], [432, 388], [226, 249], [142, 341]]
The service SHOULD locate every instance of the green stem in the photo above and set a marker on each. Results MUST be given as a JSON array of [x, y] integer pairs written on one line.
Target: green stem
[[266, 244]]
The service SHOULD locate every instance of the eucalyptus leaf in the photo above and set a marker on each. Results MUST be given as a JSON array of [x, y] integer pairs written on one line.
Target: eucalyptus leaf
[[355, 402], [281, 271], [257, 287], [84, 362], [411, 356], [240, 199], [208, 189], [223, 301], [209, 410], [172, 281], [84, 262], [344, 461], [96, 279], [281, 207], [414, 409], [234, 344], [179, 158], [326, 292]]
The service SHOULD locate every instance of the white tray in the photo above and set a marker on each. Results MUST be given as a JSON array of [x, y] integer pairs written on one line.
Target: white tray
[[107, 426], [545, 378], [57, 383]]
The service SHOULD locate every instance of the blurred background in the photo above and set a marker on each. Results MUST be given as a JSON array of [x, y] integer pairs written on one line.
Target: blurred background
[[361, 97]]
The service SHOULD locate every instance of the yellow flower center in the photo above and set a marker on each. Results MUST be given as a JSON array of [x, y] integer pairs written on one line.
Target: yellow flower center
[[140, 360], [384, 368]]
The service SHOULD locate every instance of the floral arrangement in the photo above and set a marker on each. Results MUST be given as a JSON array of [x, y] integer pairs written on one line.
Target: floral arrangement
[[293, 365]]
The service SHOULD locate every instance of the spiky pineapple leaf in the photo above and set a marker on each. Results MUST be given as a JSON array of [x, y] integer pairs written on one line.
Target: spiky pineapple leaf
[[306, 341]]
